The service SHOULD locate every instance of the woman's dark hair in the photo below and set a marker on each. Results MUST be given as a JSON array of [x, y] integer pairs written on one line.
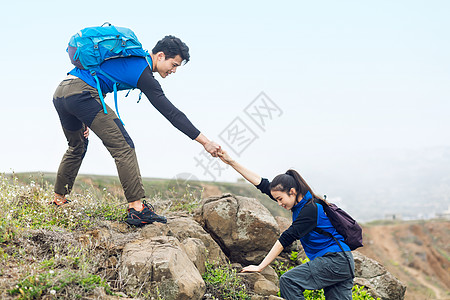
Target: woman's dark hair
[[292, 179], [172, 46]]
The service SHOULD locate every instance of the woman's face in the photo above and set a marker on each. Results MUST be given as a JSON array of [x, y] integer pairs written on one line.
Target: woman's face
[[284, 199]]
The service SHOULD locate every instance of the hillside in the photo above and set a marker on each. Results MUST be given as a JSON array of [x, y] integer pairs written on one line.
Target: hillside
[[417, 253]]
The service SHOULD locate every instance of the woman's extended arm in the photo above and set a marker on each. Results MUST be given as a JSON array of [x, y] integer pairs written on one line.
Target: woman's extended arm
[[251, 176], [273, 253]]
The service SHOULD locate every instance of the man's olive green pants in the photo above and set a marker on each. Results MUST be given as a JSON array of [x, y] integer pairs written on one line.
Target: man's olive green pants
[[78, 105]]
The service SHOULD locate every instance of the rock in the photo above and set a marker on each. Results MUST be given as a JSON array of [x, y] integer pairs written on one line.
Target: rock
[[283, 223], [263, 283], [99, 293], [260, 297], [386, 286], [154, 230], [265, 287], [196, 251], [243, 227], [270, 274], [236, 266], [367, 285], [183, 228], [366, 267], [160, 264]]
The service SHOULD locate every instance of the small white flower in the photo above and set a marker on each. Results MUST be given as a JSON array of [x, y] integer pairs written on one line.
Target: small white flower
[[52, 272], [53, 292]]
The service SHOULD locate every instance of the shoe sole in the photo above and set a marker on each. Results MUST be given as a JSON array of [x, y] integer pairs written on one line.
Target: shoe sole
[[140, 223]]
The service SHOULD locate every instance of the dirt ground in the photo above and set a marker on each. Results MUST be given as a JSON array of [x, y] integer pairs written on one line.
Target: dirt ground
[[210, 190]]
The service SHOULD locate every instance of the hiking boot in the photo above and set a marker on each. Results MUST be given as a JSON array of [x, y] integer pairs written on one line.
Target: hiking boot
[[146, 216], [59, 200]]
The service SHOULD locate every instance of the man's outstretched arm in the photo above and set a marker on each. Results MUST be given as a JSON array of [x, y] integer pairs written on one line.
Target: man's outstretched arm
[[153, 91]]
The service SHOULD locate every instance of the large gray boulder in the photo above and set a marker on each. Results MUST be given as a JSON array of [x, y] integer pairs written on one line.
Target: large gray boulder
[[242, 226], [377, 279], [161, 267], [184, 228]]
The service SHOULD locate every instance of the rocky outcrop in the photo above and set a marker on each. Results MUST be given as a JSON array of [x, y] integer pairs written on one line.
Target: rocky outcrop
[[170, 258], [377, 279], [243, 227], [183, 227]]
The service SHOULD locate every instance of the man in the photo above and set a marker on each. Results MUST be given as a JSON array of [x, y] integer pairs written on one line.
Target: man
[[79, 108]]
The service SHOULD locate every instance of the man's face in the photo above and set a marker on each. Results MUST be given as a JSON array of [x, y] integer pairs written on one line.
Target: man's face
[[167, 66]]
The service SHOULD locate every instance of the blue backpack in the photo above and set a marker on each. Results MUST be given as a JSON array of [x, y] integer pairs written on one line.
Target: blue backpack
[[93, 45]]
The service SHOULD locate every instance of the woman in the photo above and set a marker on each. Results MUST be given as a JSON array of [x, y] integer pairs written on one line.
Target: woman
[[329, 267]]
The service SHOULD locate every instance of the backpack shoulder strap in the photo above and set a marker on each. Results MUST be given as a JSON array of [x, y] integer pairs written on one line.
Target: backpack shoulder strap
[[323, 232]]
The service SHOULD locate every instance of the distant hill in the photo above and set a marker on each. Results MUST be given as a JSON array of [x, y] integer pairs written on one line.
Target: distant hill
[[411, 184], [417, 253]]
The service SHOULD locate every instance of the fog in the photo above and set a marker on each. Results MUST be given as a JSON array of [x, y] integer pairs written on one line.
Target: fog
[[353, 95]]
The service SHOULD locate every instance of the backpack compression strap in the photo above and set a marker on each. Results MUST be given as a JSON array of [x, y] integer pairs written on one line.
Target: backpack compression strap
[[100, 92], [94, 74]]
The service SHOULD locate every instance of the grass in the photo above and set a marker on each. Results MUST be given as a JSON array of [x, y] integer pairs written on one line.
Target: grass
[[65, 284], [27, 207], [223, 283], [39, 246]]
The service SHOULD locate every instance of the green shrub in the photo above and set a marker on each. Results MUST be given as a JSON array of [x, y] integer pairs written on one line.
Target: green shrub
[[358, 293], [223, 283], [61, 284], [293, 256]]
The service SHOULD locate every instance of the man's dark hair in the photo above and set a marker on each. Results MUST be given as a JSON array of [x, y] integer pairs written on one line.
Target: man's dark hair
[[172, 46]]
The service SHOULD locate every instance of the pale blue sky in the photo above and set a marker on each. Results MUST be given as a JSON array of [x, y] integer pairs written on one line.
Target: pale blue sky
[[355, 80]]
